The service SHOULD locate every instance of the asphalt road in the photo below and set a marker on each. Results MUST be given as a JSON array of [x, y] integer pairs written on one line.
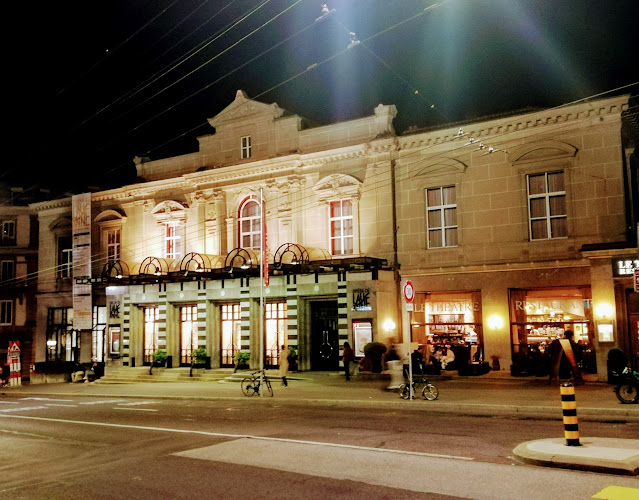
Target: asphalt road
[[87, 447]]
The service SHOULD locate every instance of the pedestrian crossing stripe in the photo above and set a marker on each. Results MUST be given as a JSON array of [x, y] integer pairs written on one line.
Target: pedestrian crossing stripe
[[618, 493]]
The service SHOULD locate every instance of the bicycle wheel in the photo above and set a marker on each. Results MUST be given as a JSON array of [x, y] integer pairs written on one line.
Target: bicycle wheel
[[430, 392], [628, 393], [268, 387], [403, 391], [248, 386]]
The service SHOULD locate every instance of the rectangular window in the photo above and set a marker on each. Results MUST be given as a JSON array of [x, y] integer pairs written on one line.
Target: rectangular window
[[246, 147], [151, 332], [113, 244], [6, 312], [62, 340], [65, 257], [8, 236], [230, 315], [7, 271], [547, 206], [441, 217], [275, 330], [173, 241], [98, 333], [341, 226], [188, 330]]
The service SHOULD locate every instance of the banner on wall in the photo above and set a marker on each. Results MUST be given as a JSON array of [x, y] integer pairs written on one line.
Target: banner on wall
[[13, 360], [82, 300]]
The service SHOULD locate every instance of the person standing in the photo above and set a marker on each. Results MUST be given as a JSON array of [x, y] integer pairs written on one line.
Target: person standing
[[347, 356], [283, 359]]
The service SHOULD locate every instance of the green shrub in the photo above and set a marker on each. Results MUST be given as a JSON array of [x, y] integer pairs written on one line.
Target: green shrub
[[199, 356], [159, 357], [242, 357]]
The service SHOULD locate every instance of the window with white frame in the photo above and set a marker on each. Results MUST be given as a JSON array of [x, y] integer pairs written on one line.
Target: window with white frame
[[65, 257], [173, 240], [547, 205], [113, 244], [441, 217], [250, 228], [341, 227], [98, 333], [8, 236], [6, 312], [246, 146], [7, 270]]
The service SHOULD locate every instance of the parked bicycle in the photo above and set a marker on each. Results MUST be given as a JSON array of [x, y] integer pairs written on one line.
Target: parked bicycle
[[251, 384], [429, 391], [627, 390]]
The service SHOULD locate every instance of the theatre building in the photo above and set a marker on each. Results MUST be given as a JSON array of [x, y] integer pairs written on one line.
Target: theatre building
[[510, 229]]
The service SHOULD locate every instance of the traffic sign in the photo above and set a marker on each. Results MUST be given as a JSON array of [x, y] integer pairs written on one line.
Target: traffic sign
[[636, 280], [409, 292]]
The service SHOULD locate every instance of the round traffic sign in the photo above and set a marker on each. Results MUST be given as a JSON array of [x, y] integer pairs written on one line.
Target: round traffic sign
[[409, 292]]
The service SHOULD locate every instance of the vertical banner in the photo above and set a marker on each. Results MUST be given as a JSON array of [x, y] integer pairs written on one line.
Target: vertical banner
[[13, 359], [82, 302], [264, 244]]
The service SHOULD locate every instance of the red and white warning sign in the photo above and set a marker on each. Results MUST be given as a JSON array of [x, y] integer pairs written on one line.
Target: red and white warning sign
[[13, 358]]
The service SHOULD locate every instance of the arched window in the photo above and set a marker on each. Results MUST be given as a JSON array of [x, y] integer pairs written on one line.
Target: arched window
[[250, 230]]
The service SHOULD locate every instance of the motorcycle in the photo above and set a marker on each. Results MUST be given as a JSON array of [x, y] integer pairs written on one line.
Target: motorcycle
[[628, 389]]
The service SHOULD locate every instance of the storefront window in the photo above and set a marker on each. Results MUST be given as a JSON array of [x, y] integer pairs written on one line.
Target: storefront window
[[540, 316], [447, 327]]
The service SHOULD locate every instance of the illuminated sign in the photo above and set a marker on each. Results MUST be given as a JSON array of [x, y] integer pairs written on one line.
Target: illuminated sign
[[625, 266]]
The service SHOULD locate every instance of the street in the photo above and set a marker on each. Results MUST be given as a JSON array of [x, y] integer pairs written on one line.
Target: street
[[97, 447]]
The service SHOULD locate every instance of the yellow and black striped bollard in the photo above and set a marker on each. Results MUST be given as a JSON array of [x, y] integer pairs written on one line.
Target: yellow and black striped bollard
[[569, 407]]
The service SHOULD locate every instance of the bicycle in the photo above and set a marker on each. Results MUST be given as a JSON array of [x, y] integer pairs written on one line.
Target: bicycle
[[251, 384], [429, 392]]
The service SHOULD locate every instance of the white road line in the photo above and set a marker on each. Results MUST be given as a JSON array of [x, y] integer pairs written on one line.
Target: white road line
[[246, 436], [101, 402], [134, 409], [136, 403], [26, 408], [48, 399], [9, 402], [57, 404]]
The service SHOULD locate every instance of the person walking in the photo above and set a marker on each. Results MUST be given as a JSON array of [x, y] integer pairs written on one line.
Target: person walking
[[283, 361], [347, 356]]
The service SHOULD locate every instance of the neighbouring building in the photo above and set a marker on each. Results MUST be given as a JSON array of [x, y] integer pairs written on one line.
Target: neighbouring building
[[511, 230]]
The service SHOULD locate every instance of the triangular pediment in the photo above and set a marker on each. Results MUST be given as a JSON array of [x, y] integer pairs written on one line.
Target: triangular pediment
[[337, 186], [243, 107]]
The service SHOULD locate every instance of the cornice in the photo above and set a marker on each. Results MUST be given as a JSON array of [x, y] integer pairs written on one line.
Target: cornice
[[51, 204], [553, 116]]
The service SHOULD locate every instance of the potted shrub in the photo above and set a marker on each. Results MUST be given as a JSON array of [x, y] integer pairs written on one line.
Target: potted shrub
[[198, 359], [374, 352], [241, 360], [158, 359], [292, 359]]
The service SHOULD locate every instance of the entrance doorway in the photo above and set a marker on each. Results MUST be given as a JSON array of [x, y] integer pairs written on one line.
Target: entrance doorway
[[632, 344], [324, 336]]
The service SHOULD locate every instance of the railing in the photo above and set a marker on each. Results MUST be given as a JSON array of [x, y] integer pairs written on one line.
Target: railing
[[228, 356], [185, 357]]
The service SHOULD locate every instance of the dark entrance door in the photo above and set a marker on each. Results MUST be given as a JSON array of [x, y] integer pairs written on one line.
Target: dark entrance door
[[324, 336]]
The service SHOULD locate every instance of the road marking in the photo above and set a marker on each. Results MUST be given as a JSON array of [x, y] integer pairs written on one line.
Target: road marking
[[618, 493], [23, 409], [9, 402], [101, 402], [48, 399], [139, 403], [57, 404], [134, 409], [238, 436]]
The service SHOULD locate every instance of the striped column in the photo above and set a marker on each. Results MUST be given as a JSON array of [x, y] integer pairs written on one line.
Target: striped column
[[291, 312], [162, 320], [126, 334], [342, 316], [201, 319], [245, 320], [569, 407]]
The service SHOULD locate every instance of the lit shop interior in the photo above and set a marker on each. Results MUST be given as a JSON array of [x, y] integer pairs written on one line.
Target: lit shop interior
[[540, 316]]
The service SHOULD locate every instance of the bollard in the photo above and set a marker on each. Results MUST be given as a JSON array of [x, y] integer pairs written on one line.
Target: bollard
[[569, 407]]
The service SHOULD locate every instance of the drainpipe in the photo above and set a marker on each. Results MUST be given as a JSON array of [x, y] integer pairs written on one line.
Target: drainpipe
[[396, 266]]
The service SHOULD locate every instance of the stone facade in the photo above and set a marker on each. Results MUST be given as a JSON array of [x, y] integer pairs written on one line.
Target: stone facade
[[192, 205]]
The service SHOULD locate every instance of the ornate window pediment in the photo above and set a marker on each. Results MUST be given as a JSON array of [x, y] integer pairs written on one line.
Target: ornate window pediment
[[337, 186], [168, 211], [110, 217], [542, 151], [440, 166]]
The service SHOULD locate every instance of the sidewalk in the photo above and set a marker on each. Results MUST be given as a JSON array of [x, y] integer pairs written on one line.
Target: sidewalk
[[492, 395]]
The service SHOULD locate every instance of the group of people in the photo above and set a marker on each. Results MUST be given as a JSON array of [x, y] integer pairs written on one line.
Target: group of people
[[82, 374]]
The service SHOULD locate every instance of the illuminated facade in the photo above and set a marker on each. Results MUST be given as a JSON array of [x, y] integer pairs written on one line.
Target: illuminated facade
[[507, 228]]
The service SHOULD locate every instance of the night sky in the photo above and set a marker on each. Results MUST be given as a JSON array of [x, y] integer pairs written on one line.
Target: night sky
[[91, 84]]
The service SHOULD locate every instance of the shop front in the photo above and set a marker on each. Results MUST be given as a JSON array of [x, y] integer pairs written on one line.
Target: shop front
[[539, 316], [447, 328]]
